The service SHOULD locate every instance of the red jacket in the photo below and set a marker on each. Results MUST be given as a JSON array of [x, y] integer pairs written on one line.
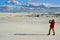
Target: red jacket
[[52, 24]]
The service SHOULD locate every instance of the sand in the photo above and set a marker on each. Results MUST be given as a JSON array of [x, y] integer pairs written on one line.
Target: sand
[[27, 28]]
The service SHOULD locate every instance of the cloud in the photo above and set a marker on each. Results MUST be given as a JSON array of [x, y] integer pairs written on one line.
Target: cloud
[[34, 4], [38, 4], [32, 8], [58, 5], [13, 2], [47, 5], [50, 5]]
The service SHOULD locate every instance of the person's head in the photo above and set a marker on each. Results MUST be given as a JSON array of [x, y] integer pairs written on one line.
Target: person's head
[[49, 20], [52, 19]]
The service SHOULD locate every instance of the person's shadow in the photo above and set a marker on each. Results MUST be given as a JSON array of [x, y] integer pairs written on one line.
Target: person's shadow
[[30, 34]]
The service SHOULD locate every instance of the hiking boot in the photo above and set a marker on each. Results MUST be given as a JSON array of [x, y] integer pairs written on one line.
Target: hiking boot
[[53, 34], [48, 34]]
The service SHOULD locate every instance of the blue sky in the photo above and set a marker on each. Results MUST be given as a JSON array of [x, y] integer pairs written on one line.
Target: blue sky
[[52, 2]]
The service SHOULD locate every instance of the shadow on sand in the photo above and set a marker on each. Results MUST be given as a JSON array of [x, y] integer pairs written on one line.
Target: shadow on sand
[[31, 34]]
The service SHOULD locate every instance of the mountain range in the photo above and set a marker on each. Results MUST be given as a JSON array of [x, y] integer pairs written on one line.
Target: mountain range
[[29, 8]]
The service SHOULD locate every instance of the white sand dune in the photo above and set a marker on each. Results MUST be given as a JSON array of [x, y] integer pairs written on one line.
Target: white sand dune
[[27, 28]]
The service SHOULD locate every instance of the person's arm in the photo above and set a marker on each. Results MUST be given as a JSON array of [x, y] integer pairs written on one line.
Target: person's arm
[[49, 21]]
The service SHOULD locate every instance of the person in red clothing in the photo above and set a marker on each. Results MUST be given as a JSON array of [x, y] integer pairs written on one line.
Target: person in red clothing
[[52, 24]]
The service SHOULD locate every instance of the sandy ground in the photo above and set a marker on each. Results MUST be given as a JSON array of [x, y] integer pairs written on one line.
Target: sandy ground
[[27, 28]]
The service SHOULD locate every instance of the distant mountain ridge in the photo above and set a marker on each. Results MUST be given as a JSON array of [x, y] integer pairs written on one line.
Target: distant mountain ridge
[[29, 8]]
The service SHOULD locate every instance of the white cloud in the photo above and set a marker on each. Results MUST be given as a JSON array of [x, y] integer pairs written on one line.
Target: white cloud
[[34, 4], [50, 5], [13, 2], [32, 8], [38, 4], [16, 2], [47, 5]]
